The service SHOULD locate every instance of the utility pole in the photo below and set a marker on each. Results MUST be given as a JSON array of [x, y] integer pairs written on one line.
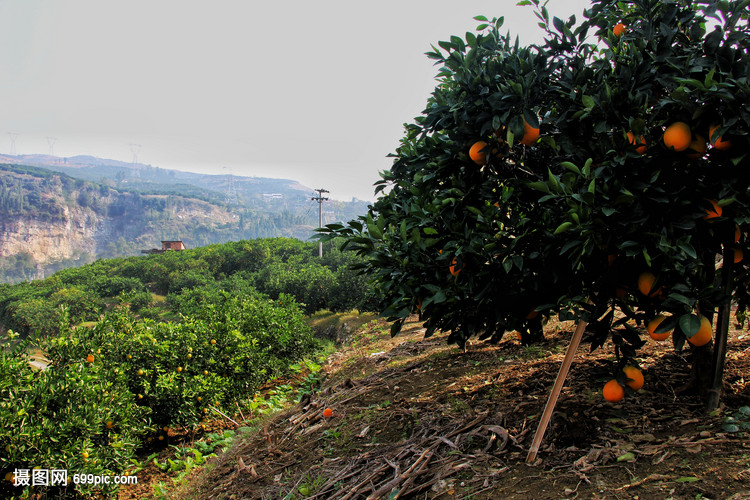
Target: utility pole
[[320, 199]]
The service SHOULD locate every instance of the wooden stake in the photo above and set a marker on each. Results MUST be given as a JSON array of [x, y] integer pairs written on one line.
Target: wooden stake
[[552, 401], [722, 332]]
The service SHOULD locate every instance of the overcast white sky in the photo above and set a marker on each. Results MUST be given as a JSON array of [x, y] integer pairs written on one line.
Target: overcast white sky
[[315, 91]]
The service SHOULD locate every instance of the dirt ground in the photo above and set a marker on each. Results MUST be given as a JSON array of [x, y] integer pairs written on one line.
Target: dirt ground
[[416, 418]]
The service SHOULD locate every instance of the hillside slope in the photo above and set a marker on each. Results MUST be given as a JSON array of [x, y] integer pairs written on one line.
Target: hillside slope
[[415, 418]]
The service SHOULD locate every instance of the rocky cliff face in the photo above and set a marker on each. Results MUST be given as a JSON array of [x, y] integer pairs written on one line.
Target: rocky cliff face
[[49, 221], [50, 240]]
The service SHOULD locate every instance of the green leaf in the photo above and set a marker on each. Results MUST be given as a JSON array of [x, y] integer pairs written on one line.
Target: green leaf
[[373, 228], [563, 227], [687, 480], [540, 186], [689, 324], [588, 101], [571, 166], [688, 249], [626, 457]]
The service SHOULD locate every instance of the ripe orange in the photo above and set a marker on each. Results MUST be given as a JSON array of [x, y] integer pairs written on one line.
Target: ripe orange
[[635, 376], [85, 454], [613, 391], [717, 142], [140, 373], [704, 335], [213, 341], [716, 212], [530, 134], [179, 369], [646, 282], [140, 396], [678, 137], [697, 148], [90, 358], [477, 154], [641, 142], [738, 255], [653, 325], [619, 29], [110, 424], [327, 413], [455, 268], [737, 233]]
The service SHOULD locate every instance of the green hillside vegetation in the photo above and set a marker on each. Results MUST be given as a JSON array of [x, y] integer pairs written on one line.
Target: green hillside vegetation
[[136, 346], [188, 278]]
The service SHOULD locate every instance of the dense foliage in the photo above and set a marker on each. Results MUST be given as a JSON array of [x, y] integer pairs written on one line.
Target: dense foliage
[[111, 388], [160, 341], [271, 266], [486, 241]]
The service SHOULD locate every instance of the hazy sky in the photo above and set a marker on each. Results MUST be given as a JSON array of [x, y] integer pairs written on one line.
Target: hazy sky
[[315, 91]]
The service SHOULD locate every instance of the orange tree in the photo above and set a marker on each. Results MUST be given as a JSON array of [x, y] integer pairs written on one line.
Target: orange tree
[[485, 238]]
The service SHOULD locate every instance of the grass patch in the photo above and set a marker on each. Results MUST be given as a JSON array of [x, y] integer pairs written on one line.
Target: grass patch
[[326, 319]]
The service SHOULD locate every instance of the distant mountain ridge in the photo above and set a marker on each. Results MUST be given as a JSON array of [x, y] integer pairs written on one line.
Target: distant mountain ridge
[[74, 210]]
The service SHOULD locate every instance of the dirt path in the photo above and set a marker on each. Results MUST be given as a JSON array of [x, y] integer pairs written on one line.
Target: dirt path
[[415, 418]]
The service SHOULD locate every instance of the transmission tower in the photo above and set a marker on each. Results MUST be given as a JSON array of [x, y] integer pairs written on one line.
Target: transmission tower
[[231, 195], [51, 142], [13, 137], [134, 148], [320, 199]]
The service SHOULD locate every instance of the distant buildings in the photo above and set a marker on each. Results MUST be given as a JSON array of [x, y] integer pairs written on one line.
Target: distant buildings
[[166, 246]]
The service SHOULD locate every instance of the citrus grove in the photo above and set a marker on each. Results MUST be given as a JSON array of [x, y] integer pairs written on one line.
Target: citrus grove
[[601, 176]]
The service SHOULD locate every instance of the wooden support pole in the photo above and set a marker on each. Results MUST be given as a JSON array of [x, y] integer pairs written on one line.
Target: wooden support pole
[[722, 331], [556, 389]]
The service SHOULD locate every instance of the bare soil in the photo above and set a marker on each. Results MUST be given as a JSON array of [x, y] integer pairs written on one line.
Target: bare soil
[[416, 418]]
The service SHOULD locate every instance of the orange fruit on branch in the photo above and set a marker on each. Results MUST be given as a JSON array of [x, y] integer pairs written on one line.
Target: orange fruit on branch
[[716, 212], [619, 29], [653, 325], [646, 282], [717, 142], [530, 134], [90, 358], [678, 136], [613, 391], [697, 148], [641, 142], [477, 153], [704, 334], [738, 255], [636, 377], [455, 267], [737, 233]]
